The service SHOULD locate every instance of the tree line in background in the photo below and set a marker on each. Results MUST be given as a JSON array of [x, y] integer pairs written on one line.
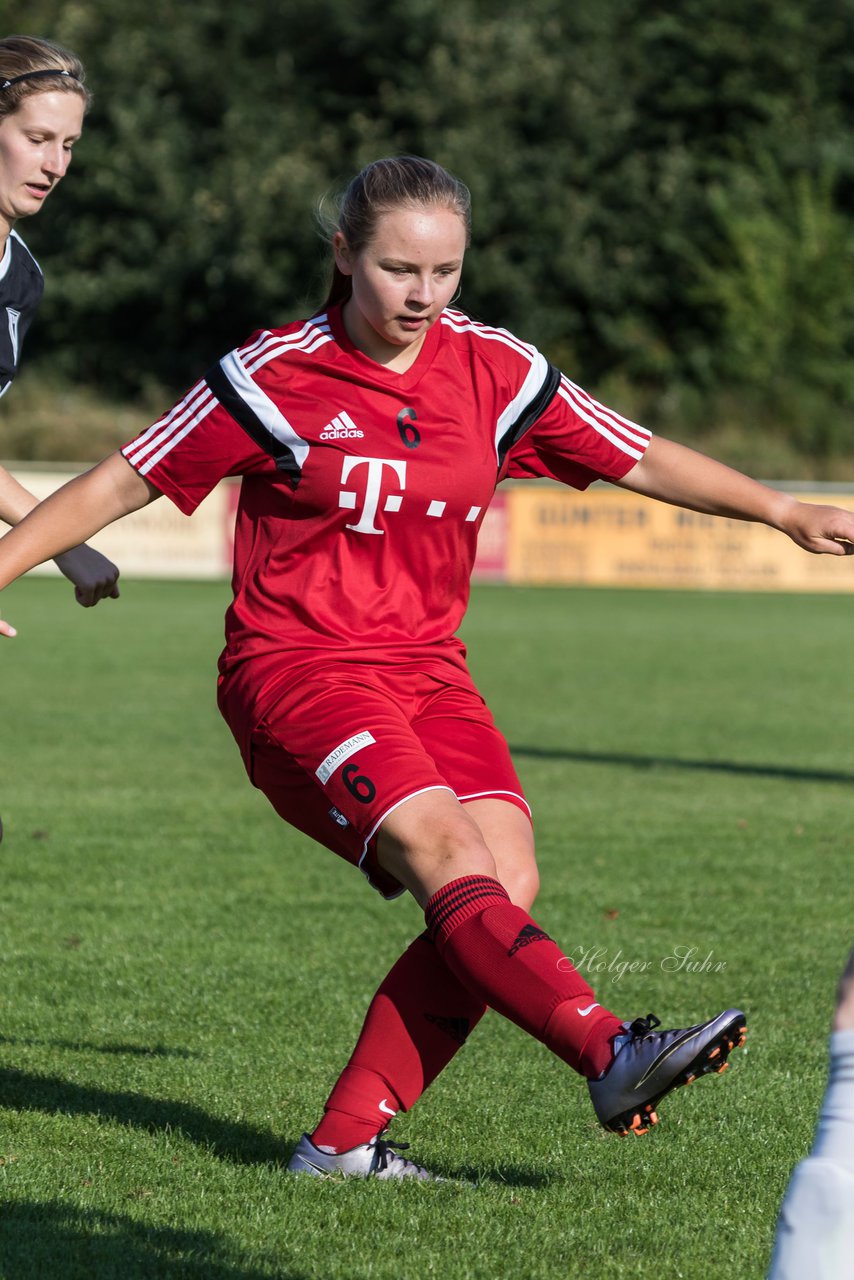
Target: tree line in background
[[662, 191]]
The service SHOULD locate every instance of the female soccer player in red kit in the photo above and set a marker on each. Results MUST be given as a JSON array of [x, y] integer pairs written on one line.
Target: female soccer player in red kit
[[370, 440]]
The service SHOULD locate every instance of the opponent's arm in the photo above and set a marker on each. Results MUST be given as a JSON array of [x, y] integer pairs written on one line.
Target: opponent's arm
[[93, 575], [68, 517], [674, 473], [15, 500]]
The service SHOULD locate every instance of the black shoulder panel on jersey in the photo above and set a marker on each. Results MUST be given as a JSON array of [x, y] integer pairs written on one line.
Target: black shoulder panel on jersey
[[246, 418], [529, 415]]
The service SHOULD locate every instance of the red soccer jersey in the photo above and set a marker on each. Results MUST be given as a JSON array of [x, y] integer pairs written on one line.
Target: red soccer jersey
[[364, 489]]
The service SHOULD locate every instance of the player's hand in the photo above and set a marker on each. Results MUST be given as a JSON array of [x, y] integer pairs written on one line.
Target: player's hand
[[6, 629], [819, 529], [94, 576]]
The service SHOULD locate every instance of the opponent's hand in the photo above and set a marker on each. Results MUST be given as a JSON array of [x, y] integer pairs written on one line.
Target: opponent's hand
[[94, 576], [819, 529]]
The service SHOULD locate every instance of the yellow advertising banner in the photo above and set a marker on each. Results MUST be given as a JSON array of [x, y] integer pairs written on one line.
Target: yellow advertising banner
[[608, 537]]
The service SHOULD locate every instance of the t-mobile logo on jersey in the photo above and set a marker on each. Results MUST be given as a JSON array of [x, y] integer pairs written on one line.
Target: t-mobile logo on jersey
[[348, 498]]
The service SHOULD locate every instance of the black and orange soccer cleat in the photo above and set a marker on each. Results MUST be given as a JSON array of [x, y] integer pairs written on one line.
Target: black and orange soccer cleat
[[649, 1063]]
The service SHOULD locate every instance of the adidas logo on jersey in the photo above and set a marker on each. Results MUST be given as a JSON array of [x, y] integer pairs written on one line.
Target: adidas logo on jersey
[[341, 428]]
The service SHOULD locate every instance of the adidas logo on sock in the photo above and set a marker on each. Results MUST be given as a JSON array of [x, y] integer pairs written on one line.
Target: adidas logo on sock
[[456, 1028], [530, 933], [341, 427]]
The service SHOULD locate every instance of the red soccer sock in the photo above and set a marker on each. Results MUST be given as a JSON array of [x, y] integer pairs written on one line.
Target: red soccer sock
[[503, 956], [418, 1019]]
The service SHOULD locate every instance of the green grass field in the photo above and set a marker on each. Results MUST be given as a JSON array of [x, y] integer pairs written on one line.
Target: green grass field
[[183, 976]]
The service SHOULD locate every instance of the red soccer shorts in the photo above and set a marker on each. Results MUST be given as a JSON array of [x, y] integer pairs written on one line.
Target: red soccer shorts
[[347, 744]]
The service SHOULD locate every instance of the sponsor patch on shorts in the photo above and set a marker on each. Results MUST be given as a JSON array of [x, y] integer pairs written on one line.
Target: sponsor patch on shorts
[[337, 816], [325, 771]]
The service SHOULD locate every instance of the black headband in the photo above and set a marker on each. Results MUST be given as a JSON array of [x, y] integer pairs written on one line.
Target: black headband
[[37, 75]]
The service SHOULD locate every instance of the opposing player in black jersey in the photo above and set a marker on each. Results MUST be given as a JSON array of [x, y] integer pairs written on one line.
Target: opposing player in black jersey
[[42, 103]]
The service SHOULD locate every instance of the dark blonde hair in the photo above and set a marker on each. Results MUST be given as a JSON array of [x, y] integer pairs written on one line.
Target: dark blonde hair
[[402, 182], [33, 59]]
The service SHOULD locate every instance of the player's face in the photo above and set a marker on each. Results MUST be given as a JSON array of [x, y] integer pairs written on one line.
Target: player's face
[[35, 151], [402, 280]]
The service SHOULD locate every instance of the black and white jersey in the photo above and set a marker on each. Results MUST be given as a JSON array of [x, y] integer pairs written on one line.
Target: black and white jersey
[[21, 288]]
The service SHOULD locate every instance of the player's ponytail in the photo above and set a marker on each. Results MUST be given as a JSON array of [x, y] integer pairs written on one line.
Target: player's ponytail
[[399, 182]]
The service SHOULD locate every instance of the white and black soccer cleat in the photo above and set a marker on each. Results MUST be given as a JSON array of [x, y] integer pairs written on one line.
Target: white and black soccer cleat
[[375, 1159]]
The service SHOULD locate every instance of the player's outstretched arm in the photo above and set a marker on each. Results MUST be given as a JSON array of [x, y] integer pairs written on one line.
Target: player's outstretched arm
[[679, 475], [68, 517], [93, 575]]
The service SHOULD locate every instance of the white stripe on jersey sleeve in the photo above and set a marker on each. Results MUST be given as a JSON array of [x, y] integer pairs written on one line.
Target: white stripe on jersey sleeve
[[266, 336], [166, 432], [529, 389], [154, 443], [463, 324], [534, 378], [269, 345], [263, 407], [621, 431], [599, 418], [640, 435]]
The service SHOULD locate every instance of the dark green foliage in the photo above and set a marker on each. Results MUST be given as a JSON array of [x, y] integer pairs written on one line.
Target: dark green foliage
[[617, 150], [782, 286]]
